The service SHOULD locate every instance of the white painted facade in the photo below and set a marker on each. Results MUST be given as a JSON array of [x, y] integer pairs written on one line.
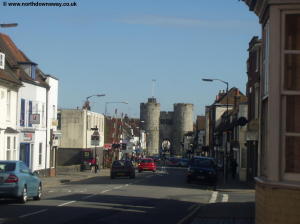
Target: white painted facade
[[52, 101], [8, 119], [32, 148]]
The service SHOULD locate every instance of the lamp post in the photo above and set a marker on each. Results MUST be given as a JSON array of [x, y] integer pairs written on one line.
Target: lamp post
[[8, 25], [225, 152], [87, 107], [105, 113]]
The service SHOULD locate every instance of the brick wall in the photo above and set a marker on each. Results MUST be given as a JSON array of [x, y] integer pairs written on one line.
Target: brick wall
[[277, 205]]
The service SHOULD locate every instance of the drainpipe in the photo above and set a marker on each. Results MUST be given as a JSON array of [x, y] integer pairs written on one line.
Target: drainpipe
[[47, 92]]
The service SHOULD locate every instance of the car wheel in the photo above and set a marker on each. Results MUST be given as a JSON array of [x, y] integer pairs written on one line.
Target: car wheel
[[24, 197], [140, 171], [153, 171], [39, 193]]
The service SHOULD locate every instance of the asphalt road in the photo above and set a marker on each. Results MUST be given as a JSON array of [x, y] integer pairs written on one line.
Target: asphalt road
[[161, 197]]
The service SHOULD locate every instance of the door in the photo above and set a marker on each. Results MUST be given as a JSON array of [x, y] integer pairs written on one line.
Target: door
[[25, 153]]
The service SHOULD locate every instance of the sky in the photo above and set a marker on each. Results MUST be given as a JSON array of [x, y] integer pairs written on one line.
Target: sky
[[131, 50]]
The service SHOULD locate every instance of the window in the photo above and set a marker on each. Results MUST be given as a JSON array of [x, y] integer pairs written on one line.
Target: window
[[2, 61], [43, 115], [53, 112], [14, 142], [22, 115], [8, 96], [265, 75], [8, 143], [29, 114], [40, 153], [8, 153], [291, 93], [33, 71]]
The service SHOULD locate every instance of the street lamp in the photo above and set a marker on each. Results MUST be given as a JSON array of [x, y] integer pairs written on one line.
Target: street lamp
[[225, 153], [8, 25], [87, 107], [124, 102]]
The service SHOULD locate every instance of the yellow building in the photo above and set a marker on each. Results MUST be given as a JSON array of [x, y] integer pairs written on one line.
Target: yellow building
[[278, 181]]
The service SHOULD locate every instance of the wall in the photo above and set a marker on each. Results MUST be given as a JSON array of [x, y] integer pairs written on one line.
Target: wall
[[6, 121], [150, 113], [37, 95], [165, 127], [182, 123], [72, 128]]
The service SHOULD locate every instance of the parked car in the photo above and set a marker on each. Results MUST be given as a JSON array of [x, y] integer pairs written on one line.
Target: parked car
[[183, 162], [17, 181], [122, 168], [202, 169], [147, 164], [172, 161]]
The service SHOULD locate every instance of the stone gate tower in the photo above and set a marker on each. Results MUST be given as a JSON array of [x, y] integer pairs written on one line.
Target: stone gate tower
[[150, 113]]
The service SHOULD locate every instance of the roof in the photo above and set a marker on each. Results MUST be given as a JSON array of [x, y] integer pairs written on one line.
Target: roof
[[14, 58]]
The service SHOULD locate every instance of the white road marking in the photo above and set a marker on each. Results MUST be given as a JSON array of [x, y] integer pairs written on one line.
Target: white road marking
[[126, 185], [213, 198], [191, 207], [118, 187], [33, 213], [104, 191], [67, 203], [89, 196], [225, 198], [183, 220]]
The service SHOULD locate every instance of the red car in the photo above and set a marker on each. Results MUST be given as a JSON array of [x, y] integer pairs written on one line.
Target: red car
[[147, 164]]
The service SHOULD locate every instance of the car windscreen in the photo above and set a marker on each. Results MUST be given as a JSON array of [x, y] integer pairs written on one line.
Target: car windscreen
[[118, 163], [205, 163], [7, 167], [147, 161]]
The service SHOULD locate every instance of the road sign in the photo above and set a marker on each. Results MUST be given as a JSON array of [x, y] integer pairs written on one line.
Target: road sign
[[95, 138]]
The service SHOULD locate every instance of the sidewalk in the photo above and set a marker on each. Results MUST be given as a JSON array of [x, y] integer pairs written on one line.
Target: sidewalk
[[69, 177]]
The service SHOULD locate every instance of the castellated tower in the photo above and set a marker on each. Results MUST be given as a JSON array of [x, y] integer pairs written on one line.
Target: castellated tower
[[182, 123], [149, 113]]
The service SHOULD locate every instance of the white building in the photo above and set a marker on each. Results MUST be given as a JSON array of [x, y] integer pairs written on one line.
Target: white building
[[9, 85], [36, 105]]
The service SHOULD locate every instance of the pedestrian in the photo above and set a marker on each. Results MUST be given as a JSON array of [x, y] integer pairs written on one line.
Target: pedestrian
[[96, 163], [233, 167]]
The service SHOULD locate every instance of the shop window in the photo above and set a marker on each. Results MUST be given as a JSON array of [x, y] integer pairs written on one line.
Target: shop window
[[291, 93]]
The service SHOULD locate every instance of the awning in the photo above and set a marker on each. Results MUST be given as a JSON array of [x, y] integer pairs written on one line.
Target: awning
[[9, 130]]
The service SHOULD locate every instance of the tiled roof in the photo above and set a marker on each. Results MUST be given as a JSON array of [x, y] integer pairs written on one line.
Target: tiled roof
[[14, 57]]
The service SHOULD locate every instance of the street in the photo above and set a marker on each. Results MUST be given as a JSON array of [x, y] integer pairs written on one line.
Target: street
[[161, 197]]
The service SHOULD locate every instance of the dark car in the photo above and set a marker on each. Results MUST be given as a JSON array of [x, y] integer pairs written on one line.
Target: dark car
[[17, 181], [202, 169], [121, 168]]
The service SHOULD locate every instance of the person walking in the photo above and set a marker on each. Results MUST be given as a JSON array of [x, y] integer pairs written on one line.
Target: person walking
[[233, 167]]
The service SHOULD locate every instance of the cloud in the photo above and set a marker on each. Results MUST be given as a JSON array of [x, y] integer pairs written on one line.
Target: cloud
[[156, 20]]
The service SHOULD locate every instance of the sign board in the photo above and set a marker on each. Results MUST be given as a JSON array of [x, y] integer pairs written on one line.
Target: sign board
[[34, 119], [95, 138], [27, 137]]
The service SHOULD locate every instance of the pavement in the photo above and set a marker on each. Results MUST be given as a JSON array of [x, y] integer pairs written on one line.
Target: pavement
[[67, 177], [240, 209]]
